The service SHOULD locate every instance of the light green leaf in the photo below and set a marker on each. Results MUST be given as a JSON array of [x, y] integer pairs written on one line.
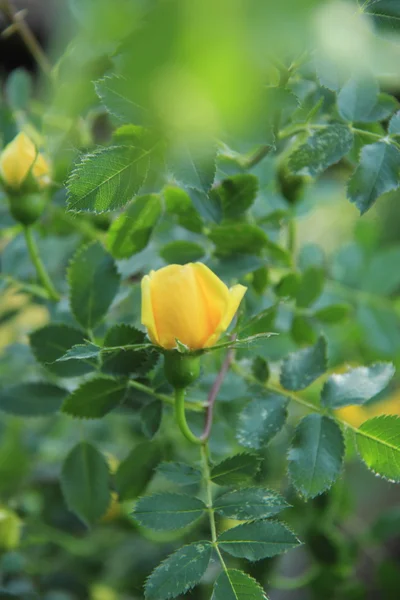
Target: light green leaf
[[316, 455], [130, 232], [32, 399], [95, 398], [378, 442], [260, 323], [377, 173], [179, 204], [261, 420], [382, 272], [302, 367], [107, 179], [254, 541], [357, 385], [335, 313], [236, 470], [150, 417], [93, 283], [179, 572], [166, 511], [85, 483], [136, 470], [302, 330], [357, 98], [52, 342], [238, 238], [324, 148], [237, 194], [394, 124], [208, 206], [19, 89], [113, 90], [383, 108], [310, 286], [249, 504], [180, 473], [126, 361], [236, 585], [180, 252], [193, 166]]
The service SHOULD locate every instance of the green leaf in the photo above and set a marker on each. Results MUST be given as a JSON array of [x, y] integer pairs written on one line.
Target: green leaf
[[93, 281], [80, 352], [180, 252], [52, 342], [357, 385], [302, 330], [378, 442], [382, 272], [323, 149], [136, 470], [179, 572], [19, 89], [32, 399], [260, 369], [179, 204], [310, 286], [301, 368], [180, 473], [288, 286], [193, 166], [236, 585], [126, 362], [394, 124], [357, 98], [335, 313], [261, 420], [377, 173], [95, 398], [237, 238], [166, 511], [316, 455], [85, 483], [113, 91], [208, 206], [130, 232], [260, 323], [237, 194], [150, 417], [383, 108], [236, 470], [249, 504], [254, 541], [107, 179]]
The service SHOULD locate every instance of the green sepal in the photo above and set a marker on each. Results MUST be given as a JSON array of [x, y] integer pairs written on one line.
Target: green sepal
[[181, 369]]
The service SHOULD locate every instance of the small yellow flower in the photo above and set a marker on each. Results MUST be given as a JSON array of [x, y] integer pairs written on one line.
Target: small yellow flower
[[19, 158], [189, 303]]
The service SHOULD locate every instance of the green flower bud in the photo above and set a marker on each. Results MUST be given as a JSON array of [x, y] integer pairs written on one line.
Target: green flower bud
[[27, 208], [181, 369]]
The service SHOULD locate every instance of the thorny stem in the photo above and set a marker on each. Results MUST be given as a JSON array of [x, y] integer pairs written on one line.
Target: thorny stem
[[205, 460], [19, 24], [39, 266]]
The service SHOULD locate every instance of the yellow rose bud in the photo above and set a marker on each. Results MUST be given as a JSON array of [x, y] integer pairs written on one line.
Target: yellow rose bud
[[21, 158], [189, 303]]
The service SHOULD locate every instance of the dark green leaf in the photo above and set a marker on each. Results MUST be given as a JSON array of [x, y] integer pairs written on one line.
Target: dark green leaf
[[150, 417], [260, 323], [193, 166], [261, 539], [130, 232], [316, 455], [32, 399], [52, 342], [236, 585], [357, 98], [208, 206], [383, 108], [180, 473], [180, 252], [179, 572], [179, 203], [261, 420], [95, 398], [288, 286], [356, 386], [250, 504], [81, 352], [377, 173], [236, 470], [136, 470], [85, 483], [302, 330], [335, 313], [166, 511], [238, 238], [237, 194], [324, 148], [310, 286], [260, 369], [303, 367], [378, 442], [126, 362], [93, 281], [382, 272], [113, 91], [107, 179]]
